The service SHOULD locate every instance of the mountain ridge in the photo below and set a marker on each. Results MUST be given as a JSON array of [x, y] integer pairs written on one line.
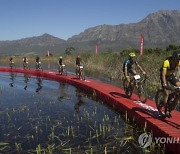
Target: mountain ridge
[[159, 29]]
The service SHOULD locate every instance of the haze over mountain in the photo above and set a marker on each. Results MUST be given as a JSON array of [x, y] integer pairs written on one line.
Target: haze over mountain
[[159, 29]]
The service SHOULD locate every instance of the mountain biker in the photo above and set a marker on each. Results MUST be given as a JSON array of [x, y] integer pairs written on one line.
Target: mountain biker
[[167, 75], [128, 68], [25, 62], [38, 63], [11, 62], [78, 63], [60, 63]]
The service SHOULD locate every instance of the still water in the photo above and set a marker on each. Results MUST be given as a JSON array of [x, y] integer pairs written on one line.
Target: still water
[[39, 115]]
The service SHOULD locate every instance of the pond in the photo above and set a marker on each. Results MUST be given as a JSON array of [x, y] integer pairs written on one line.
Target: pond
[[39, 115]]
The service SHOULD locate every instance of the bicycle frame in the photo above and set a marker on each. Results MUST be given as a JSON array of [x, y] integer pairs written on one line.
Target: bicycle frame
[[80, 72], [25, 65], [12, 65], [136, 82], [38, 66], [62, 69]]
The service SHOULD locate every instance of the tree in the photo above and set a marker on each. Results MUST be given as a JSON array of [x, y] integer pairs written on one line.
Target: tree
[[69, 50], [172, 47]]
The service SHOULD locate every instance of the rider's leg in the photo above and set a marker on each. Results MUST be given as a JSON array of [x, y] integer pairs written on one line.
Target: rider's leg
[[174, 81], [77, 69], [132, 72], [61, 69], [127, 81]]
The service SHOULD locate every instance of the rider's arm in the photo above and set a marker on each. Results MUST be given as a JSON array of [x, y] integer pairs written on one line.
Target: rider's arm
[[125, 71], [164, 71], [140, 68]]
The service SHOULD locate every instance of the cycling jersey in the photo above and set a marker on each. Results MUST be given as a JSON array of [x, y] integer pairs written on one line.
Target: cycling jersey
[[60, 61], [129, 63], [170, 66], [78, 61]]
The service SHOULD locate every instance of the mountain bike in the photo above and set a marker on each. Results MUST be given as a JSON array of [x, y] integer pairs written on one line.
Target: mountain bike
[[136, 82], [38, 66], [80, 72], [173, 100], [12, 65], [25, 65], [62, 70]]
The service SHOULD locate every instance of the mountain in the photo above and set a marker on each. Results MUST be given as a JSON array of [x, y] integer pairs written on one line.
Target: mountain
[[34, 45], [159, 29]]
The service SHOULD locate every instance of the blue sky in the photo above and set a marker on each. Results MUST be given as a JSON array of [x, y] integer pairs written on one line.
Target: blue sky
[[65, 18]]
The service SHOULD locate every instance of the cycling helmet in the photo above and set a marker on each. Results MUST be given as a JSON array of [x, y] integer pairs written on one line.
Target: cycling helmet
[[131, 55], [176, 55], [60, 57]]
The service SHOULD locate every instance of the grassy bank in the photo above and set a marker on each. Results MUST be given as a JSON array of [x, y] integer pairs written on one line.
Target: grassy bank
[[111, 64]]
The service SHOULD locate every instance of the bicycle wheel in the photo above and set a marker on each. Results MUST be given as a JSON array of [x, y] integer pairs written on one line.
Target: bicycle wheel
[[142, 93], [83, 75], [173, 100], [159, 99], [127, 90], [64, 72]]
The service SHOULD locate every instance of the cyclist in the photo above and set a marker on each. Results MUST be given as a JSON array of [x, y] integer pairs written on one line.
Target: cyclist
[[38, 63], [60, 63], [128, 68], [25, 62], [78, 63], [167, 75], [11, 62]]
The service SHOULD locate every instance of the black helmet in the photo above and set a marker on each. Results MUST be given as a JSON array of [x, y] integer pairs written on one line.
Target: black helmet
[[176, 55]]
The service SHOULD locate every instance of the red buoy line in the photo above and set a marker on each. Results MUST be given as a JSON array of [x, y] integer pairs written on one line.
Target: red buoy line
[[144, 114]]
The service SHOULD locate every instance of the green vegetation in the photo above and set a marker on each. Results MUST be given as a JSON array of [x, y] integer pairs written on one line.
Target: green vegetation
[[109, 64]]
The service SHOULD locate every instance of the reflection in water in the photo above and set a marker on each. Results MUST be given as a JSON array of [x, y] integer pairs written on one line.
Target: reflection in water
[[26, 80], [62, 89], [39, 84], [80, 100], [29, 121], [12, 77], [49, 65]]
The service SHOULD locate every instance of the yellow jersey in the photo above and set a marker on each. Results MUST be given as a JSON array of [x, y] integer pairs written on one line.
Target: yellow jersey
[[170, 66]]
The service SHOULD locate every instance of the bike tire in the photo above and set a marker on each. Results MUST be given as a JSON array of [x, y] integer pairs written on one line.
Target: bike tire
[[83, 75], [173, 100], [64, 72], [159, 99], [142, 93]]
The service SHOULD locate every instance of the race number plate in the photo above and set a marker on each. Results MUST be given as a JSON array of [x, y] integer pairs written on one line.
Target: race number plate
[[136, 77]]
